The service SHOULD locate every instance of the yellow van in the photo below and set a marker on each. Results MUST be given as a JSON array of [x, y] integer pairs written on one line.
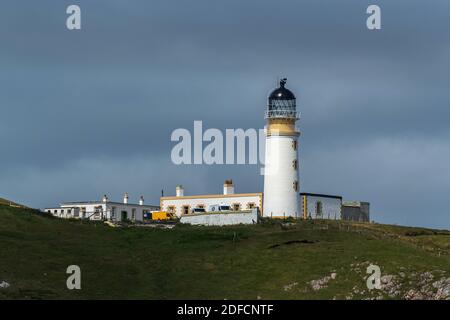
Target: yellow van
[[162, 215]]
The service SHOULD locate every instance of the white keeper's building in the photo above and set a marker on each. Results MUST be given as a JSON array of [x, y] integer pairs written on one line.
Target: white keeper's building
[[181, 204], [103, 210]]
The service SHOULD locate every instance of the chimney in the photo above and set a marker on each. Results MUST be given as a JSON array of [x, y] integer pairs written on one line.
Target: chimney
[[228, 187], [125, 198], [141, 201], [105, 198], [180, 191]]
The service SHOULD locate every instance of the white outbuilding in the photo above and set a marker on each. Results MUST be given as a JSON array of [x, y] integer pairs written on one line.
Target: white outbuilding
[[321, 206], [103, 210]]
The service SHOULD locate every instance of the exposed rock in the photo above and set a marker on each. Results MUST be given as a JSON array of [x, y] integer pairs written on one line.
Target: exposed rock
[[390, 286], [426, 278], [290, 286], [438, 290], [443, 289], [413, 295], [322, 283], [387, 279]]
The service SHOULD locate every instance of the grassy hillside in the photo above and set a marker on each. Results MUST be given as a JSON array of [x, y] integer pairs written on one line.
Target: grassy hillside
[[315, 260], [10, 203]]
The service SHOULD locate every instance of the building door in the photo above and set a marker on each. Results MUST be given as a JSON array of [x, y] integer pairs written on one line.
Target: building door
[[318, 209], [124, 215]]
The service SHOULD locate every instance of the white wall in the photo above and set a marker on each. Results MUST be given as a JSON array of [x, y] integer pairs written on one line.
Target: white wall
[[221, 219]]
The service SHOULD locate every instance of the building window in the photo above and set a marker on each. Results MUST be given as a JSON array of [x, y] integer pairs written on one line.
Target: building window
[[133, 214], [97, 211], [236, 206], [295, 185], [171, 209], [113, 212], [201, 206], [294, 144], [69, 211], [185, 209], [295, 164], [318, 208], [62, 211], [251, 205], [55, 211]]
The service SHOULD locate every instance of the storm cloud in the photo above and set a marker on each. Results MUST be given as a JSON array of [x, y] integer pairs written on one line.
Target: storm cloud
[[89, 112]]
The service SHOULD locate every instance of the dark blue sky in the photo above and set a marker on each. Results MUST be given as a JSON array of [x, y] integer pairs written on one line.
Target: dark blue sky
[[89, 112]]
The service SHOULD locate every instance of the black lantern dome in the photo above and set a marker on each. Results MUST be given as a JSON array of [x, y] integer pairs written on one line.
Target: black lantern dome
[[281, 93], [282, 103]]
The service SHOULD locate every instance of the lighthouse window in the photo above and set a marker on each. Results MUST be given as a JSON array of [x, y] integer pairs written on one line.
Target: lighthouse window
[[295, 185], [294, 145], [295, 164]]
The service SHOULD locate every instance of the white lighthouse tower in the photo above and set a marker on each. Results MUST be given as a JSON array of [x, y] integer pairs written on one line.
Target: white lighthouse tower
[[281, 178]]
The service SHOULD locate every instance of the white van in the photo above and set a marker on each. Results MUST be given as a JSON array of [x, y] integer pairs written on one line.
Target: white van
[[220, 208]]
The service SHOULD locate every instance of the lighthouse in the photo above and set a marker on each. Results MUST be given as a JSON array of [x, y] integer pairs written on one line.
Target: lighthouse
[[281, 177]]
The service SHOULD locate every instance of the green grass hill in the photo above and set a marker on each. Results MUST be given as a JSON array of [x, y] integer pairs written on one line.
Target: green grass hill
[[10, 203], [272, 260]]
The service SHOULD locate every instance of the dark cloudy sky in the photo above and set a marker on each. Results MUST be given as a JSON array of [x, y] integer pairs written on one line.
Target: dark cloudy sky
[[89, 112]]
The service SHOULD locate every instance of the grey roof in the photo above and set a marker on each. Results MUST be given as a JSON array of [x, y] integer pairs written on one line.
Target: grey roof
[[320, 195], [110, 202]]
